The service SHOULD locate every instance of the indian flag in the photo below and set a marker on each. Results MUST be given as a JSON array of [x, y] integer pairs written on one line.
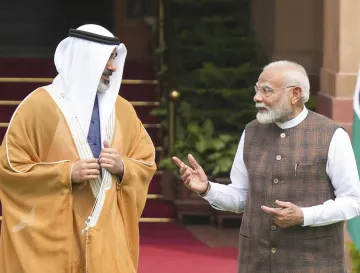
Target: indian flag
[[353, 225]]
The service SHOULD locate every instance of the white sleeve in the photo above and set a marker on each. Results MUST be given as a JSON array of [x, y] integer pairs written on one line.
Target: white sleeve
[[342, 170], [231, 197]]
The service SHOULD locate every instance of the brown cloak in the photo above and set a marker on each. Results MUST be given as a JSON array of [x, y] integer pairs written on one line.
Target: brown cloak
[[44, 215]]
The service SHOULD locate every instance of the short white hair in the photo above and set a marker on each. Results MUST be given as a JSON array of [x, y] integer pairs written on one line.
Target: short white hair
[[295, 77]]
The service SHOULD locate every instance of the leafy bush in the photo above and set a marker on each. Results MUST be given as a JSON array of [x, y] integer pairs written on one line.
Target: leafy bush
[[214, 64], [355, 258]]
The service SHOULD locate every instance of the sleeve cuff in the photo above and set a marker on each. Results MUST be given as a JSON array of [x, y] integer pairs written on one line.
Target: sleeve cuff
[[126, 175], [211, 195], [71, 169], [308, 216], [66, 174]]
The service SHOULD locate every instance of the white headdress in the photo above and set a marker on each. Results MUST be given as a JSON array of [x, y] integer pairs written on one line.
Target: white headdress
[[80, 61]]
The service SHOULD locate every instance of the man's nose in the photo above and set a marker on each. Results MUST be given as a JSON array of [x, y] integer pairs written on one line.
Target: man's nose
[[258, 97], [111, 65]]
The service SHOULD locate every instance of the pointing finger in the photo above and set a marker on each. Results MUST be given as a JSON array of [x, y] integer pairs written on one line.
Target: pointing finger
[[178, 162], [194, 163], [271, 211], [283, 204]]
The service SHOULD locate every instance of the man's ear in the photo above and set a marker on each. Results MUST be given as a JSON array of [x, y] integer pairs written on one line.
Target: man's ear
[[297, 93]]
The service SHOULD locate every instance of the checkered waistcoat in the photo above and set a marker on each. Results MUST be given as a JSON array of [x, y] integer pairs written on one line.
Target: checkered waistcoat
[[288, 165]]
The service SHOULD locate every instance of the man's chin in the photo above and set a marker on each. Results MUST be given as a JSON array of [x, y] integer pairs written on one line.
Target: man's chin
[[264, 119], [103, 86]]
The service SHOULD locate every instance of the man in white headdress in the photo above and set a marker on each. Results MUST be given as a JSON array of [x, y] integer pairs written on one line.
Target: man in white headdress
[[75, 165]]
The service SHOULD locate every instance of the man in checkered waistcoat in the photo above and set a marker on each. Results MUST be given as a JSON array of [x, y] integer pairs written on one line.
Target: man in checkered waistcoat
[[294, 178]]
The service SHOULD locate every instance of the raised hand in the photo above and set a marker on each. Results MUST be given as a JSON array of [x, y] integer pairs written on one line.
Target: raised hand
[[85, 170], [110, 159], [194, 178]]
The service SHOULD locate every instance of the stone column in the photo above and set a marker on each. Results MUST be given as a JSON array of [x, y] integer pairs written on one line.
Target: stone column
[[291, 30], [341, 59], [298, 35]]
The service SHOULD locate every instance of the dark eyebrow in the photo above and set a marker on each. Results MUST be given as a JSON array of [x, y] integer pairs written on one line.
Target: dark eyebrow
[[113, 55]]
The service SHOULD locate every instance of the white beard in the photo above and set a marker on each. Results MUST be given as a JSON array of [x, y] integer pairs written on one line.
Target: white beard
[[103, 87], [277, 113]]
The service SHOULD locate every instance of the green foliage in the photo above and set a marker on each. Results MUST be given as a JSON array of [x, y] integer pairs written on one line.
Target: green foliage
[[214, 64], [355, 258], [200, 140], [311, 104]]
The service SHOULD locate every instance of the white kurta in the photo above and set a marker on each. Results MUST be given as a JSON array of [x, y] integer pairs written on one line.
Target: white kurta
[[341, 169]]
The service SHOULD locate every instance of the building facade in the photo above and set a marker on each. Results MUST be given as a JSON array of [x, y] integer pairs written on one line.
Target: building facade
[[323, 36]]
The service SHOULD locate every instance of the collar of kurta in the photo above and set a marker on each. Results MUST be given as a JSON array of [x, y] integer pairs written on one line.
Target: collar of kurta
[[295, 121]]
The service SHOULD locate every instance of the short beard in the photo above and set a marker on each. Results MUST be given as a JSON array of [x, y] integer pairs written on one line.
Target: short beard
[[278, 113], [103, 87]]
